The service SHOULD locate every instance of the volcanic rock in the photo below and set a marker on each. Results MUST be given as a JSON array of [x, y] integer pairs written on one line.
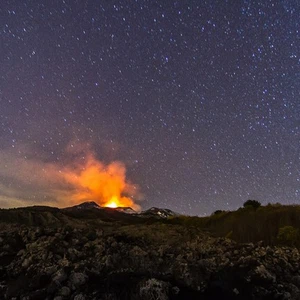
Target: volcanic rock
[[150, 260]]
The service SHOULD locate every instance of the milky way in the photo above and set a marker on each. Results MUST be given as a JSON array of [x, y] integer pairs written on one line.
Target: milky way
[[199, 99]]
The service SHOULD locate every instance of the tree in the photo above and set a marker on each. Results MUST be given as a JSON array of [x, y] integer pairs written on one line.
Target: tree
[[218, 212], [252, 203]]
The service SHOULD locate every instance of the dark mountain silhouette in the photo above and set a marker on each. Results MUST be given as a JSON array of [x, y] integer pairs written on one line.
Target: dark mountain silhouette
[[85, 205], [159, 212]]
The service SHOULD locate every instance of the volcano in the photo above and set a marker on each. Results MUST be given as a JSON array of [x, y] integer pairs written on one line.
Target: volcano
[[85, 205], [89, 213], [153, 212]]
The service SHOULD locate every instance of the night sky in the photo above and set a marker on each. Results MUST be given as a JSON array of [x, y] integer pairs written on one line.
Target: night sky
[[199, 99]]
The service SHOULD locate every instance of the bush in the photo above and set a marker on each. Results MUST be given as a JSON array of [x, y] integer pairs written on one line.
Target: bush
[[252, 203], [288, 235]]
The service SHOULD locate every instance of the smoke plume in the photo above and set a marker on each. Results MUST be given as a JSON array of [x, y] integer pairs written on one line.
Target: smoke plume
[[26, 181]]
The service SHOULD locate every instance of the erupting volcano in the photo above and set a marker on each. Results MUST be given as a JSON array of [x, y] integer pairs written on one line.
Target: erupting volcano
[[104, 184], [113, 203]]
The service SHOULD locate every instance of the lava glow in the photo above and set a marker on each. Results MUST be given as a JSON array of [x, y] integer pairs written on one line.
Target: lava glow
[[113, 203], [104, 184]]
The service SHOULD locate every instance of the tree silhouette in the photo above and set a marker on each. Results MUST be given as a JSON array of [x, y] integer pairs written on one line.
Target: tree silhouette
[[252, 203]]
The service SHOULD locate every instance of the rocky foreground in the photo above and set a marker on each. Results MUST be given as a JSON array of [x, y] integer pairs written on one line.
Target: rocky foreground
[[142, 261]]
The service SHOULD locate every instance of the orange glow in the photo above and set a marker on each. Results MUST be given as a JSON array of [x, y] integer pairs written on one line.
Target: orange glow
[[113, 203], [104, 184]]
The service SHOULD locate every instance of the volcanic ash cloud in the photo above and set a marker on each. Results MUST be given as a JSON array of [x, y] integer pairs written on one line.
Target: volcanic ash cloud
[[32, 181], [104, 184]]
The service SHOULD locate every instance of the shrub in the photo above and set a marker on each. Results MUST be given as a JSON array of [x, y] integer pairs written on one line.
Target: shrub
[[288, 235]]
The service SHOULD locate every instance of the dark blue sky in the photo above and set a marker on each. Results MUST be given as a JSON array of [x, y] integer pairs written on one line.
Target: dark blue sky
[[200, 99]]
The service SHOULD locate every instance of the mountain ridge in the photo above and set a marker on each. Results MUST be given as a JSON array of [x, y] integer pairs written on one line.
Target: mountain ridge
[[89, 211], [151, 212]]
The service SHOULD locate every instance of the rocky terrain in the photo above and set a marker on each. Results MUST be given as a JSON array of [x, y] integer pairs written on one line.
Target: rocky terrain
[[83, 259]]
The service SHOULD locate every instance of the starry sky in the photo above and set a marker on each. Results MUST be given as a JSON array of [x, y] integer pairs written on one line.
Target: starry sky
[[199, 99]]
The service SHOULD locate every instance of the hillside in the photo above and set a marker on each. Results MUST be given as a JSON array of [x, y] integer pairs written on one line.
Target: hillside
[[91, 253], [82, 215], [252, 225]]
